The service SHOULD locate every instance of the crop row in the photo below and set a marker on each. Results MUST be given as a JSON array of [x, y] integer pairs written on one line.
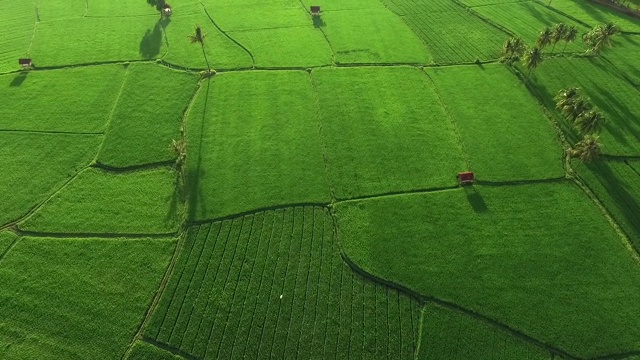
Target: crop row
[[274, 285]]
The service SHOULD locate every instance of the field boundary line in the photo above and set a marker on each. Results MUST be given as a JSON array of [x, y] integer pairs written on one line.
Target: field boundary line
[[420, 328], [522, 182], [168, 348], [257, 210], [204, 8], [49, 132], [6, 251], [397, 193], [123, 236], [133, 168], [483, 18], [618, 356], [111, 113]]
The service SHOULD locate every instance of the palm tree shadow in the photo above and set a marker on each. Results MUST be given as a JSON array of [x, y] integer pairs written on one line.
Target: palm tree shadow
[[193, 187], [475, 199], [152, 40], [318, 22]]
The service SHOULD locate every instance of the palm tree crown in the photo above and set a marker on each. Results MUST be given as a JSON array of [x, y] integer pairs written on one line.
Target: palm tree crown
[[588, 149], [589, 122], [532, 58], [544, 38]]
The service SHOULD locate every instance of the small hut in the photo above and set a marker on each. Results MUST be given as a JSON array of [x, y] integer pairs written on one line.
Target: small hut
[[466, 177], [25, 63], [314, 10], [166, 10]]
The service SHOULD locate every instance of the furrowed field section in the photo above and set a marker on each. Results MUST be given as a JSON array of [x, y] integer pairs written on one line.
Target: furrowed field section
[[385, 131], [35, 165], [571, 283], [77, 298], [451, 33], [592, 14], [143, 123], [502, 127], [273, 285], [254, 143], [606, 89], [452, 335], [527, 19], [624, 54], [617, 185], [16, 28], [67, 100], [97, 201]]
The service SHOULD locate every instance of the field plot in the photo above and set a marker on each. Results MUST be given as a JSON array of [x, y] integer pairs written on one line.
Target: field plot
[[451, 335], [34, 165], [594, 14], [372, 36], [624, 55], [135, 8], [571, 283], [16, 28], [617, 186], [334, 5], [96, 201], [77, 298], [67, 100], [254, 146], [527, 19], [452, 34], [147, 116], [144, 351], [61, 9], [238, 15], [385, 131], [273, 285], [503, 128], [606, 89]]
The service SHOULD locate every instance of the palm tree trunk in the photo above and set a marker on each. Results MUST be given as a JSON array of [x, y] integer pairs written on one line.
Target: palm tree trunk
[[205, 57], [565, 46]]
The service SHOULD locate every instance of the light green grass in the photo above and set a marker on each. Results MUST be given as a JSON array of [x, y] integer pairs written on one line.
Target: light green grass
[[300, 46], [77, 298], [540, 258], [6, 239], [333, 5], [147, 116], [143, 202], [606, 89], [623, 54], [145, 351], [35, 165], [62, 9], [385, 131], [273, 285], [16, 28], [503, 128], [372, 36], [236, 15], [254, 142], [67, 100], [451, 335], [595, 14]]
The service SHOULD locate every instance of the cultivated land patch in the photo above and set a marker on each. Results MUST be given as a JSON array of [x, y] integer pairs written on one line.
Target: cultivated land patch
[[503, 129], [97, 201], [145, 351], [273, 285], [147, 116], [594, 14], [570, 283], [254, 146], [385, 131], [451, 33], [77, 298], [67, 100], [6, 239], [17, 30], [623, 54], [34, 165], [452, 335], [606, 89]]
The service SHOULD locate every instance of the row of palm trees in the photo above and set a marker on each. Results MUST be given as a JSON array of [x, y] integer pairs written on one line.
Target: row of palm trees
[[585, 118], [598, 37]]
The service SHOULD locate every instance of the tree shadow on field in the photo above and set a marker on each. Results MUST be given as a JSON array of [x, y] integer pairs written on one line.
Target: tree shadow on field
[[318, 22], [18, 80], [156, 3], [152, 40], [193, 187], [475, 199]]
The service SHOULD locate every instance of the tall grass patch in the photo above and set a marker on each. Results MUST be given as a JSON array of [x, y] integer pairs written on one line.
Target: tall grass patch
[[540, 258], [77, 298], [254, 142], [502, 127]]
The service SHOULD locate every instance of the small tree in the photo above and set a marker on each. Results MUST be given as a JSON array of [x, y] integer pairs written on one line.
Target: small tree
[[179, 148], [589, 122], [544, 38], [570, 36], [566, 97], [532, 58], [588, 149], [599, 37], [558, 33], [198, 37], [576, 108], [512, 50]]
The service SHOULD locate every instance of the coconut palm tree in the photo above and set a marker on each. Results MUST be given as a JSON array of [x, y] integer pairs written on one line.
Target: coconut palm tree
[[576, 108], [512, 50], [598, 37], [558, 33], [570, 36], [589, 122], [198, 37], [544, 38], [532, 58], [566, 97], [588, 149]]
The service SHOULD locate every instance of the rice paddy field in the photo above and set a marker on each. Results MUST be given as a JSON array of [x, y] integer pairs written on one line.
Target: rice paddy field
[[227, 179]]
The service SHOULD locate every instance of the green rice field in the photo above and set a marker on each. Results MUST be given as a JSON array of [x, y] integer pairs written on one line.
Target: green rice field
[[256, 179]]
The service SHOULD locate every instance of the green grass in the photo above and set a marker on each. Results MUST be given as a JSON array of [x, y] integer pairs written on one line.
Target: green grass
[[254, 146], [145, 351], [77, 298], [235, 15], [34, 165], [530, 256], [595, 14], [67, 100], [623, 54], [451, 335], [333, 5], [273, 285], [607, 90], [372, 36], [385, 131], [6, 239], [147, 116], [61, 9], [16, 28], [502, 127], [527, 19], [142, 202]]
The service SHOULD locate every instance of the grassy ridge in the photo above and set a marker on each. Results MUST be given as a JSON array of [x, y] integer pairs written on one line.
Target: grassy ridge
[[385, 131], [143, 202], [147, 116], [35, 165], [502, 127], [71, 100], [530, 256], [77, 298], [273, 285], [254, 146], [450, 335]]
